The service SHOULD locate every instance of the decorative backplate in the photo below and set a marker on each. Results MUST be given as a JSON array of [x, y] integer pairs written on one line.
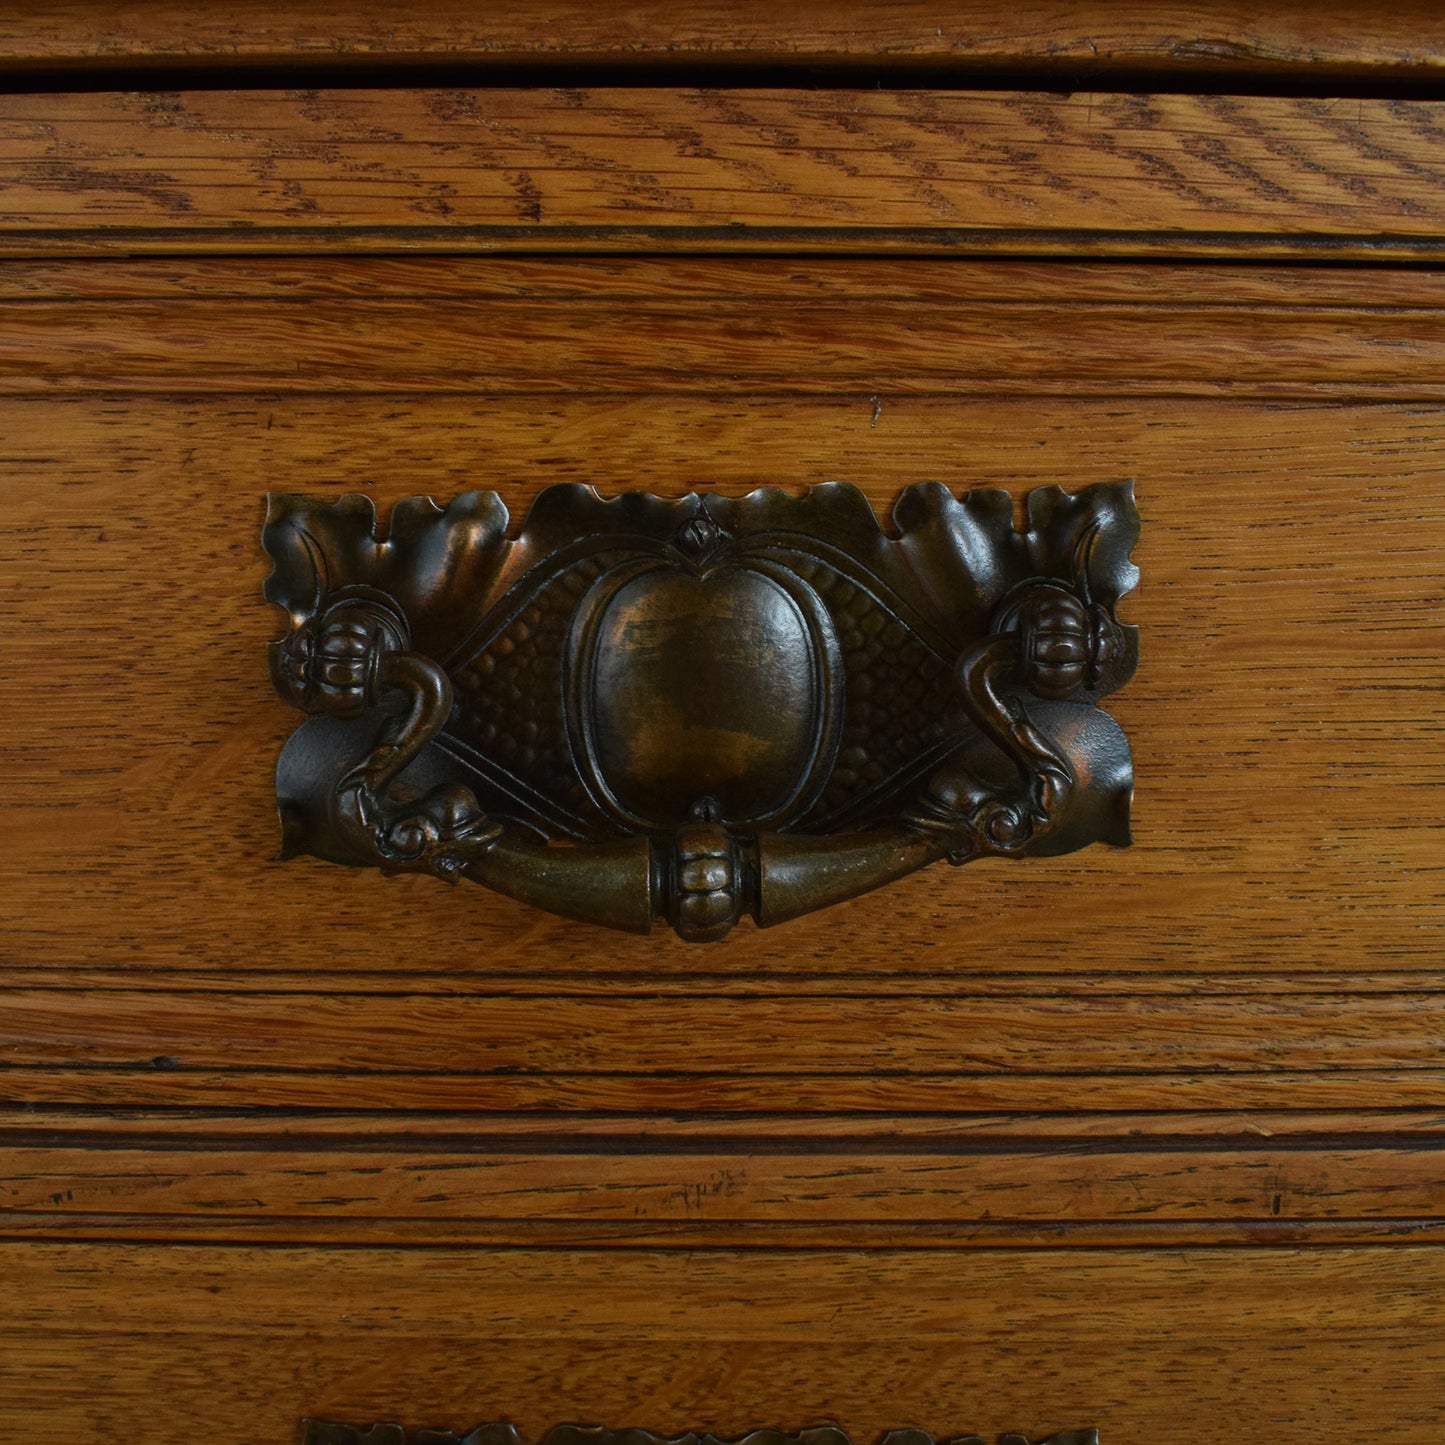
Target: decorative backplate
[[703, 707], [323, 1432]]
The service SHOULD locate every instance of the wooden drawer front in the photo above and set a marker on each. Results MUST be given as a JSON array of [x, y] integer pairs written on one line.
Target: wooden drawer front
[[1273, 935], [1144, 1344], [1126, 1138]]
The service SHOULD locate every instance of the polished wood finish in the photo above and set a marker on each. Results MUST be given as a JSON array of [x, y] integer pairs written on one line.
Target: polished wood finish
[[1209, 898], [1229, 40], [1153, 1143], [1338, 470], [498, 1180], [653, 169], [1290, 1340], [682, 333]]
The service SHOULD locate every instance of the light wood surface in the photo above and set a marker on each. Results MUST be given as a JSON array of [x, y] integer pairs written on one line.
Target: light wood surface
[[643, 169]]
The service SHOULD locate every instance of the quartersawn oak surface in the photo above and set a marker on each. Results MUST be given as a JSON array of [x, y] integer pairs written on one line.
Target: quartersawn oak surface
[[1147, 1139], [645, 169]]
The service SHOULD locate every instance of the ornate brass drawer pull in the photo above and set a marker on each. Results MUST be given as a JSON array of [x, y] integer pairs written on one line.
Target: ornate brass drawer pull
[[703, 707]]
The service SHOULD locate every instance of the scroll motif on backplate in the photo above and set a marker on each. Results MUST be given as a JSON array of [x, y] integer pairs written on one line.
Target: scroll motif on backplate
[[704, 707]]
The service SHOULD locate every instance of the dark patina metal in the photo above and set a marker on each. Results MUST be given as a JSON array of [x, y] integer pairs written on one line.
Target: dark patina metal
[[706, 707]]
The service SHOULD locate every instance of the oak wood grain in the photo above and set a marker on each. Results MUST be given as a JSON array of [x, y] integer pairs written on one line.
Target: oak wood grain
[[121, 1338], [180, 1129], [1072, 1235], [1150, 1141], [850, 1036], [154, 1082], [718, 279], [645, 168], [601, 982], [505, 324], [1170, 38], [743, 326], [487, 1184], [1290, 564]]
